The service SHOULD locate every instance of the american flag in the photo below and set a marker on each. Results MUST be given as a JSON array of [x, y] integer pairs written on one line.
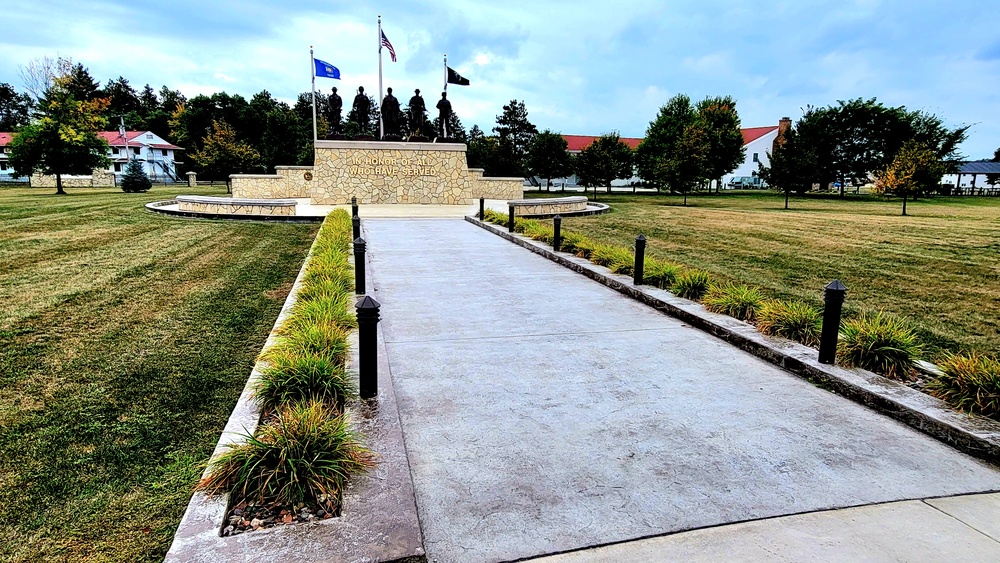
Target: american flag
[[386, 44]]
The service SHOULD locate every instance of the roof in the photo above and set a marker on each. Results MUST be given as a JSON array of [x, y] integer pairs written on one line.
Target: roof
[[751, 134], [980, 167], [575, 143], [113, 138]]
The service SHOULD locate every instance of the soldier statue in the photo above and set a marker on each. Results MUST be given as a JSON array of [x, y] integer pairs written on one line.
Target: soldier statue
[[417, 109], [334, 105], [390, 114], [361, 107], [444, 113]]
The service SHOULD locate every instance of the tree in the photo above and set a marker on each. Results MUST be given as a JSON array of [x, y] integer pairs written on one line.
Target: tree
[[15, 108], [483, 152], [994, 179], [455, 128], [662, 137], [915, 169], [64, 140], [82, 85], [548, 158], [790, 167], [122, 98], [135, 179], [223, 154], [39, 74], [371, 120], [685, 167], [725, 139], [604, 160], [515, 134]]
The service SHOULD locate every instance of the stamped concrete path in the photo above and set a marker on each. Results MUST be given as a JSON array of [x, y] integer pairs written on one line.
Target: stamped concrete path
[[545, 413]]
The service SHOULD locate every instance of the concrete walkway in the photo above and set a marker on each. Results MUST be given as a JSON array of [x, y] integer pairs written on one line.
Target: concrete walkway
[[544, 413]]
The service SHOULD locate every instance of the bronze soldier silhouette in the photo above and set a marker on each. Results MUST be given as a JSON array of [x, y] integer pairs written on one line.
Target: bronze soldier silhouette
[[444, 112], [390, 114], [417, 109], [361, 108], [335, 106]]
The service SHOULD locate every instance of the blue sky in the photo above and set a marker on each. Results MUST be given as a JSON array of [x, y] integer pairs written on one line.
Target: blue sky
[[581, 67]]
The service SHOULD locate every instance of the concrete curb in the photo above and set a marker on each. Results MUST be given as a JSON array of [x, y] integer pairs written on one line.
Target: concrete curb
[[976, 435], [157, 207], [378, 521]]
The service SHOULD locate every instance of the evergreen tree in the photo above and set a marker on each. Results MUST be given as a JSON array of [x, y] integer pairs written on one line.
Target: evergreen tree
[[82, 85], [135, 179], [121, 96], [515, 134], [455, 128]]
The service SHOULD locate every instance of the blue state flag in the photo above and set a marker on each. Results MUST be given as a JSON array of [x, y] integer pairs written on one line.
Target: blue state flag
[[326, 70]]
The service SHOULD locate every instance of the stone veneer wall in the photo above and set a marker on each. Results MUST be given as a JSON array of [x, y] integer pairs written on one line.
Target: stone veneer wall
[[98, 179], [549, 206], [235, 207], [380, 172]]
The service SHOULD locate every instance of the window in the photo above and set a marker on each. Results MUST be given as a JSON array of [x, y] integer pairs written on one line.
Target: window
[[755, 158], [135, 151], [149, 136], [114, 151], [118, 167], [163, 152], [3, 165]]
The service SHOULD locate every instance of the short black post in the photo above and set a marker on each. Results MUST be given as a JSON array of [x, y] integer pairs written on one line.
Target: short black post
[[359, 266], [482, 209], [640, 259], [356, 226], [556, 232], [510, 218], [354, 208], [367, 310], [833, 304]]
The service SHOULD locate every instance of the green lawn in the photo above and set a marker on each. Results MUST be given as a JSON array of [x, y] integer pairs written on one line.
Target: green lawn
[[125, 340], [939, 266]]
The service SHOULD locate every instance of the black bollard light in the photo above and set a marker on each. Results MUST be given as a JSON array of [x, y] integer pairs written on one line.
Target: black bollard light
[[354, 208], [359, 266], [640, 259], [482, 209], [510, 218], [556, 232], [368, 317], [356, 226], [833, 300]]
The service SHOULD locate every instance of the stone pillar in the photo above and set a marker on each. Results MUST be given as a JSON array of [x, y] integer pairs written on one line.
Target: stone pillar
[[192, 179]]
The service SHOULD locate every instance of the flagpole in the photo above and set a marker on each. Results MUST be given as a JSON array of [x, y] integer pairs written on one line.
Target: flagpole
[[312, 59], [444, 122], [381, 126]]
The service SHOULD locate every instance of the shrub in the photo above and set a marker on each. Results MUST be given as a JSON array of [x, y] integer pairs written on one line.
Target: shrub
[[135, 179], [879, 342], [659, 274], [736, 300], [790, 319], [618, 259], [691, 284], [306, 453], [292, 378], [970, 383]]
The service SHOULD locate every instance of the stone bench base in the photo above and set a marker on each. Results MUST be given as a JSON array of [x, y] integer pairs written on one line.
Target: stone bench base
[[549, 206], [235, 206]]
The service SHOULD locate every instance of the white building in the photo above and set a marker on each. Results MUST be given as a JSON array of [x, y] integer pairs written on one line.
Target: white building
[[158, 157], [759, 142]]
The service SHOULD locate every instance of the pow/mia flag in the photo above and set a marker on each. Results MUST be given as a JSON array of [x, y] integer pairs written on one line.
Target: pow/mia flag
[[456, 78]]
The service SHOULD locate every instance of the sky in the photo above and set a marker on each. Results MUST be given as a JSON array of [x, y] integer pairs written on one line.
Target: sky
[[582, 67]]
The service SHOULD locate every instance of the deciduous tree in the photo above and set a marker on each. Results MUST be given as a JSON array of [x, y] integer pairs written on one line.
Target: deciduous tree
[[223, 154], [915, 169], [548, 157], [604, 160], [686, 165], [15, 108], [662, 137], [64, 139], [725, 139]]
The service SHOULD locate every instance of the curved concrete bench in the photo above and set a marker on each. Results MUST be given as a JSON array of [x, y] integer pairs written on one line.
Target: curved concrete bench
[[549, 205], [235, 205]]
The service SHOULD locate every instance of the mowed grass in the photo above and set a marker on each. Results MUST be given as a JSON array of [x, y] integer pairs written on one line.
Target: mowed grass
[[125, 340], [939, 267]]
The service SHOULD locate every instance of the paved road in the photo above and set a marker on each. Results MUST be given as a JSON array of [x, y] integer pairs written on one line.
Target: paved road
[[543, 412]]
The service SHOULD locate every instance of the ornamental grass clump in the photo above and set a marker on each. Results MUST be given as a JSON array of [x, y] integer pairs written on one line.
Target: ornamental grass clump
[[969, 382], [616, 258], [691, 284], [295, 378], [538, 231], [335, 310], [736, 300], [306, 453], [659, 274], [790, 319], [879, 342]]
